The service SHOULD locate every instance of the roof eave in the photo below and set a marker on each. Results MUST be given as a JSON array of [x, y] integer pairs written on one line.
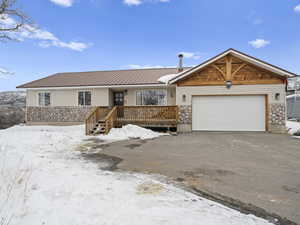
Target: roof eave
[[93, 86]]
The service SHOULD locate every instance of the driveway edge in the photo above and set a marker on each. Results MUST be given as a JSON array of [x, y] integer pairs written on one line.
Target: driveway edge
[[242, 207]]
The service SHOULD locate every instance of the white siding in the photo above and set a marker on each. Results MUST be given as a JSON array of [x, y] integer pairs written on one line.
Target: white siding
[[270, 90], [69, 97]]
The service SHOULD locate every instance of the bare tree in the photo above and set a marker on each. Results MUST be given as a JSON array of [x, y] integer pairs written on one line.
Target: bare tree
[[12, 20]]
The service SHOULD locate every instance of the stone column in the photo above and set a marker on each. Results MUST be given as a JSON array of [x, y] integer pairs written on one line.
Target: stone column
[[185, 118], [277, 118]]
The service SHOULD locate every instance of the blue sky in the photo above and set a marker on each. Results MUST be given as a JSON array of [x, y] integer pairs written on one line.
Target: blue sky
[[85, 35]]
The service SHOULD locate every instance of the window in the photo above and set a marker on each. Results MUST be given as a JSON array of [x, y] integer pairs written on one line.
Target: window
[[84, 98], [44, 99], [151, 97]]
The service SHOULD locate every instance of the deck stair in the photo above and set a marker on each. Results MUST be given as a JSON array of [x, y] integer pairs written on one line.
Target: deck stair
[[99, 128]]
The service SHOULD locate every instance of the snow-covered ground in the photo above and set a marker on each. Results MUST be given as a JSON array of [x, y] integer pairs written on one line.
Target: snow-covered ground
[[292, 127], [44, 181]]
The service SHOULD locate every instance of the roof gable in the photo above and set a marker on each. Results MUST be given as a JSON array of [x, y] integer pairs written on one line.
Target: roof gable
[[249, 59]]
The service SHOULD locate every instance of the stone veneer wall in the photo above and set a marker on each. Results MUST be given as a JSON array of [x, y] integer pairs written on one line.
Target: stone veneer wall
[[185, 114], [185, 118], [277, 118], [58, 114]]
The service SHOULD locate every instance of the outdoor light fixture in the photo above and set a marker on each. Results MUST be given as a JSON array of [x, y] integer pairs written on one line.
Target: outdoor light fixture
[[228, 84], [277, 96], [183, 98]]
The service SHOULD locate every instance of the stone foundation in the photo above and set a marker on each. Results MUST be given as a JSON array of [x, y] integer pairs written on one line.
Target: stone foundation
[[277, 118], [57, 114]]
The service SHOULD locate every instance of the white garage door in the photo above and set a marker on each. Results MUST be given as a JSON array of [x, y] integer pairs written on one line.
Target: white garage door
[[228, 113]]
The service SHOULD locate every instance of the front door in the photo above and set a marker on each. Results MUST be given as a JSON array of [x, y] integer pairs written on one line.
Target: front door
[[119, 98]]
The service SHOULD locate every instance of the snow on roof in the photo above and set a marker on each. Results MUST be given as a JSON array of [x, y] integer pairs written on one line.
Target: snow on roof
[[293, 96], [167, 78]]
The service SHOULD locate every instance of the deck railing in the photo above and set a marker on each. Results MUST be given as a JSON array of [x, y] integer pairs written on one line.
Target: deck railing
[[147, 116], [110, 119], [92, 119]]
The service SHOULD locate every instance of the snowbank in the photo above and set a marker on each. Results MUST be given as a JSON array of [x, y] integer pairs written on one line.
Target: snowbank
[[63, 188], [292, 127], [130, 131]]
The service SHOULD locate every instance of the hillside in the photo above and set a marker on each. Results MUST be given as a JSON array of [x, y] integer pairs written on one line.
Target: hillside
[[12, 108]]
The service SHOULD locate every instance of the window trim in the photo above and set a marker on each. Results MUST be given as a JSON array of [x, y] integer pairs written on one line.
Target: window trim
[[84, 105], [38, 98], [158, 89]]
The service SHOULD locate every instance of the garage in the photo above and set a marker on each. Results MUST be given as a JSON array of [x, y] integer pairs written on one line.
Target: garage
[[229, 113]]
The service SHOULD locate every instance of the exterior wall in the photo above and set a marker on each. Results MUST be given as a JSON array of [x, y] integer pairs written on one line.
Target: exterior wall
[[69, 97], [276, 108], [293, 108], [64, 107], [130, 98]]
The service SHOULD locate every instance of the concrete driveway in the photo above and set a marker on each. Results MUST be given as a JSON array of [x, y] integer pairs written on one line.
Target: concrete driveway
[[257, 168]]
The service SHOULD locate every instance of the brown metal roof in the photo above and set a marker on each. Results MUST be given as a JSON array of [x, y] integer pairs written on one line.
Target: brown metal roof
[[102, 78]]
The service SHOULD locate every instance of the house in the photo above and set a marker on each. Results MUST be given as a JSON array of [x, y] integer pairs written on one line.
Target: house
[[229, 92], [293, 106]]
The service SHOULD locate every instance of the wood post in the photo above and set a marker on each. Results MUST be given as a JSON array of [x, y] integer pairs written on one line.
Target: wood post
[[228, 67]]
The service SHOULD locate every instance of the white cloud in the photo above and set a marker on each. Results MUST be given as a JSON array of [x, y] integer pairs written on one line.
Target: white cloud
[[259, 43], [45, 38], [139, 2], [191, 55], [5, 73], [132, 2], [76, 46], [136, 66], [297, 8], [64, 3]]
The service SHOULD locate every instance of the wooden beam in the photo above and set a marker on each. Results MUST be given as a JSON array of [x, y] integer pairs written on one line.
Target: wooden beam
[[238, 69], [228, 67], [235, 82], [221, 71], [267, 112]]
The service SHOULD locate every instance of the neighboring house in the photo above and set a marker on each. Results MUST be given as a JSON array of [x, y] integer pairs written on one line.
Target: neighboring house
[[229, 92], [293, 106]]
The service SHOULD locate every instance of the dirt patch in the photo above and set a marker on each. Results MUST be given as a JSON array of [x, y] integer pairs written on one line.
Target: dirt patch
[[295, 190], [133, 146], [211, 173], [94, 140], [105, 162], [149, 188], [92, 145], [143, 141]]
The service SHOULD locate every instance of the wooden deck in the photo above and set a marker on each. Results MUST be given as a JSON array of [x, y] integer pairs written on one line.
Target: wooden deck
[[101, 120]]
